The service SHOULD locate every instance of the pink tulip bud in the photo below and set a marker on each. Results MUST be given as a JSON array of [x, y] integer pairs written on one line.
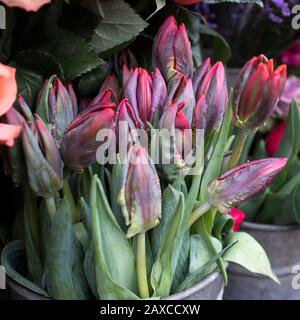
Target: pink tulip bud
[[241, 183], [257, 91], [172, 49], [140, 195], [79, 144], [210, 82]]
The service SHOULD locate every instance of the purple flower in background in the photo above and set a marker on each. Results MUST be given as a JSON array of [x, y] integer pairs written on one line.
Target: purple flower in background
[[291, 91], [205, 11], [277, 10]]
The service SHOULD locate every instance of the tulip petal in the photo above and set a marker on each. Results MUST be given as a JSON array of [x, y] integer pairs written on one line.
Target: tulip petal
[[241, 183]]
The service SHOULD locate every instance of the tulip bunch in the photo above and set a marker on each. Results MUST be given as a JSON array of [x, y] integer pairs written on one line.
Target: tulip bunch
[[134, 229]]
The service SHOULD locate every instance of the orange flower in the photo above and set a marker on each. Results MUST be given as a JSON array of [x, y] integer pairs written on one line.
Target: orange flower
[[8, 92], [28, 5], [8, 88], [8, 133]]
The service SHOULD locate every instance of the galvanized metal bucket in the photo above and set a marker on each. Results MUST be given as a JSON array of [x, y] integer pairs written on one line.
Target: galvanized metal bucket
[[282, 245], [210, 288]]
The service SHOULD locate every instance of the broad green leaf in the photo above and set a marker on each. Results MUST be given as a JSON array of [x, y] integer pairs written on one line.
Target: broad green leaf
[[249, 254], [200, 253], [214, 166], [29, 84], [90, 82], [272, 207], [183, 262], [290, 141], [65, 277], [204, 227], [166, 261], [221, 48], [115, 271], [13, 258], [32, 238], [252, 206], [114, 191], [197, 275], [81, 235], [289, 145], [73, 53], [296, 201], [40, 62], [170, 199], [120, 24], [86, 215]]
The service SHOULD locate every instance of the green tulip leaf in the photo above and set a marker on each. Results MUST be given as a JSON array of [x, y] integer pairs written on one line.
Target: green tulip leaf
[[248, 253], [114, 270], [167, 258], [64, 259]]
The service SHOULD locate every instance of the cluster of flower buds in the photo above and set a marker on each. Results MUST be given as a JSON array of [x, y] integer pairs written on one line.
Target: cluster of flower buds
[[172, 97]]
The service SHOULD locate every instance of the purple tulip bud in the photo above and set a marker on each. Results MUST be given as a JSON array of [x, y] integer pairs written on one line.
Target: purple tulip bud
[[159, 93], [212, 84], [112, 83], [199, 75], [241, 183], [103, 97], [257, 91], [181, 90], [146, 94], [57, 106], [140, 195], [14, 155], [179, 147], [200, 113], [172, 49], [125, 57], [79, 144], [42, 157], [126, 115]]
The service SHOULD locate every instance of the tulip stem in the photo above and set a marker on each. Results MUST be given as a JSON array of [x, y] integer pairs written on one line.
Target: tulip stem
[[237, 150], [198, 213], [141, 265], [69, 197], [51, 207]]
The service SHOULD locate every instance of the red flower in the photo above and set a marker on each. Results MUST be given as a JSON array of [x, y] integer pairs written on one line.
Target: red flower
[[238, 217], [273, 139]]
